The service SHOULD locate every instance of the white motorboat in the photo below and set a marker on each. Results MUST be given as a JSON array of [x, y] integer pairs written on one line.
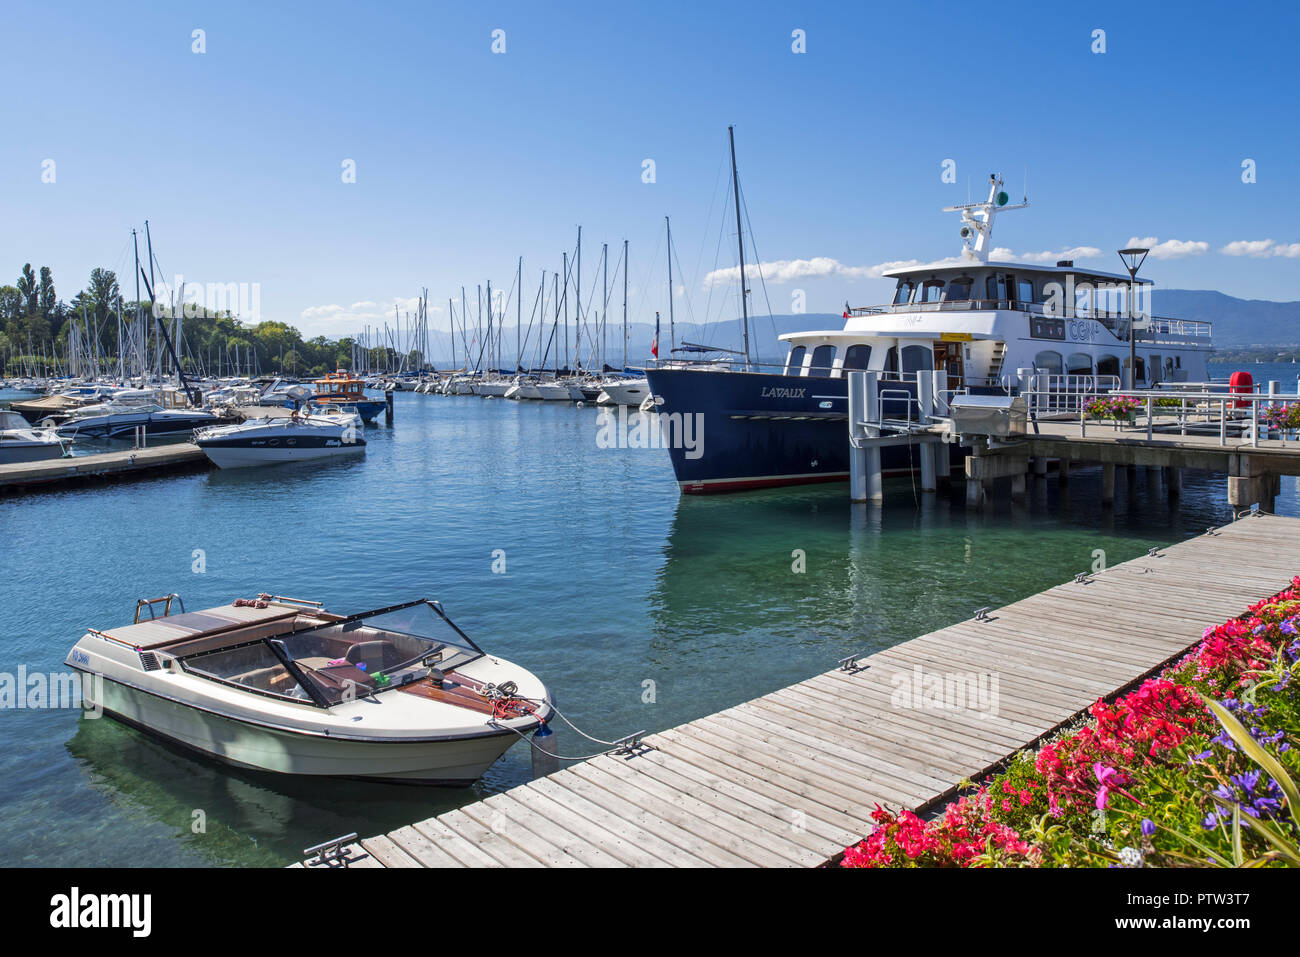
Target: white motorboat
[[398, 694], [19, 442], [286, 438], [552, 392], [631, 392]]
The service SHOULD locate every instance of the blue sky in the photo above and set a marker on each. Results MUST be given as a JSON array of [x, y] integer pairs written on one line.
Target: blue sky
[[466, 159]]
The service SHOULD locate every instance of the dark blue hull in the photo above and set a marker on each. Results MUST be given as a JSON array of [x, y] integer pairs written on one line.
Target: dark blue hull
[[762, 429]]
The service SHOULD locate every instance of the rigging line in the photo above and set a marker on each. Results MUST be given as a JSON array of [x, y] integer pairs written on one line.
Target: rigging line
[[717, 256], [643, 286], [704, 233], [758, 264], [681, 271]]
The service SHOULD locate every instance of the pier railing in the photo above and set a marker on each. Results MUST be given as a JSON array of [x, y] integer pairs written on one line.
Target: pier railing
[[1252, 416]]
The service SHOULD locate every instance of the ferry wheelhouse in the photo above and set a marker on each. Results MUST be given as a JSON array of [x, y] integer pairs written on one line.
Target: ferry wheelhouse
[[978, 320]]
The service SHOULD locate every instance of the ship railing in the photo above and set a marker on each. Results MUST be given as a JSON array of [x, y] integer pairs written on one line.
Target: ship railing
[[1111, 319], [1251, 416]]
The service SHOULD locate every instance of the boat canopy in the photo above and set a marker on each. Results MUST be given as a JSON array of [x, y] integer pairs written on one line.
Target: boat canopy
[[342, 660]]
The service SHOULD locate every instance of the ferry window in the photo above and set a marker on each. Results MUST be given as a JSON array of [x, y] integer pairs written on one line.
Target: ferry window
[[958, 289], [795, 362], [903, 294], [1169, 365], [932, 291], [891, 360], [822, 358], [1049, 361], [1079, 363], [857, 356], [1141, 367], [1156, 368], [1024, 290], [1107, 365], [915, 358], [995, 288]]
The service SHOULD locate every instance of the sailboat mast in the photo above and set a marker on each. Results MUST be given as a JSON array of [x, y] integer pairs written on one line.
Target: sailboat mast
[[625, 304], [740, 242], [672, 328], [577, 316], [519, 315], [604, 303]]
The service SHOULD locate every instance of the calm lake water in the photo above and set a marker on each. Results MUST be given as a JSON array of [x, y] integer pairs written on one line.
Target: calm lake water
[[612, 580]]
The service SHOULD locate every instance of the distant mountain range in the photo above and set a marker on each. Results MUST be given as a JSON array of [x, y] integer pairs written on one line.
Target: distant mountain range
[[1238, 323]]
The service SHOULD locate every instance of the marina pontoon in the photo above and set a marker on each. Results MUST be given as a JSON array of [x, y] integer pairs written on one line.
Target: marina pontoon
[[396, 694]]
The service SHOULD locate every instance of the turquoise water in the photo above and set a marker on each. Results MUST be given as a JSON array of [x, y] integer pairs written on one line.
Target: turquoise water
[[612, 580]]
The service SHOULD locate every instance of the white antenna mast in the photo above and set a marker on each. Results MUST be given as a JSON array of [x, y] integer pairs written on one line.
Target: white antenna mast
[[977, 234]]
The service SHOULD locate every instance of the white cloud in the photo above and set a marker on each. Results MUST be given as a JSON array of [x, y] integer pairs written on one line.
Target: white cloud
[[821, 267], [1170, 248], [343, 320], [1074, 252], [1261, 248]]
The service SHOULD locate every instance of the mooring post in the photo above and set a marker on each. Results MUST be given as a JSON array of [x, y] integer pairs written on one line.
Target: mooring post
[[1173, 480], [866, 483], [925, 399], [1108, 483], [388, 407], [1063, 472]]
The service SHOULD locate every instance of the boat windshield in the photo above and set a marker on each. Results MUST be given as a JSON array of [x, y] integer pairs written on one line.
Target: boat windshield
[[346, 659], [376, 651]]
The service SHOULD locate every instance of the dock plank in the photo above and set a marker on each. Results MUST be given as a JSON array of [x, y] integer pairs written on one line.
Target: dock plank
[[790, 778]]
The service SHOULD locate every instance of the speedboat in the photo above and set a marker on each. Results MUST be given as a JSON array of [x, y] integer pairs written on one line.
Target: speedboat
[[398, 694], [623, 392], [285, 438], [19, 442]]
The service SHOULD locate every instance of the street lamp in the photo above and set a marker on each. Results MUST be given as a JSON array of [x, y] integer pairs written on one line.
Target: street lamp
[[1132, 260]]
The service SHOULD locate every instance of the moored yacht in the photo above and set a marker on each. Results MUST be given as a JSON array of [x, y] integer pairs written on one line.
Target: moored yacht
[[19, 442], [298, 437], [978, 320], [398, 694]]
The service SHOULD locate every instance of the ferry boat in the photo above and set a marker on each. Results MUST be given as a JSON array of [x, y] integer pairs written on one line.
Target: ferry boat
[[398, 694], [977, 319], [342, 388]]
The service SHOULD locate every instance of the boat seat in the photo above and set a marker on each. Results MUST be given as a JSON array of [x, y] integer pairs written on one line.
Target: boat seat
[[375, 655]]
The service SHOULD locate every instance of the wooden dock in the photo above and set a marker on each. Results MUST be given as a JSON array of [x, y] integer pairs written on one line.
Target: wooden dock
[[791, 778], [129, 463]]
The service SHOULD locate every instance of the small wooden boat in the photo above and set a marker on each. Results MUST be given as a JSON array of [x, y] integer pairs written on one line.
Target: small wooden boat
[[342, 388], [397, 694]]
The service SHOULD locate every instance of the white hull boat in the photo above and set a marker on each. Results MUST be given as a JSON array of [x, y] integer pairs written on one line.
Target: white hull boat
[[285, 439], [280, 685], [624, 392], [19, 442]]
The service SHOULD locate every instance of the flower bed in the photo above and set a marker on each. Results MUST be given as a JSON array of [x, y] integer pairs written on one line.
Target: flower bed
[[1281, 417], [1197, 767], [1121, 408]]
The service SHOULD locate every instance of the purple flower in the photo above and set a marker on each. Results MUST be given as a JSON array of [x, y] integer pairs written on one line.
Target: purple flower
[[1148, 826]]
